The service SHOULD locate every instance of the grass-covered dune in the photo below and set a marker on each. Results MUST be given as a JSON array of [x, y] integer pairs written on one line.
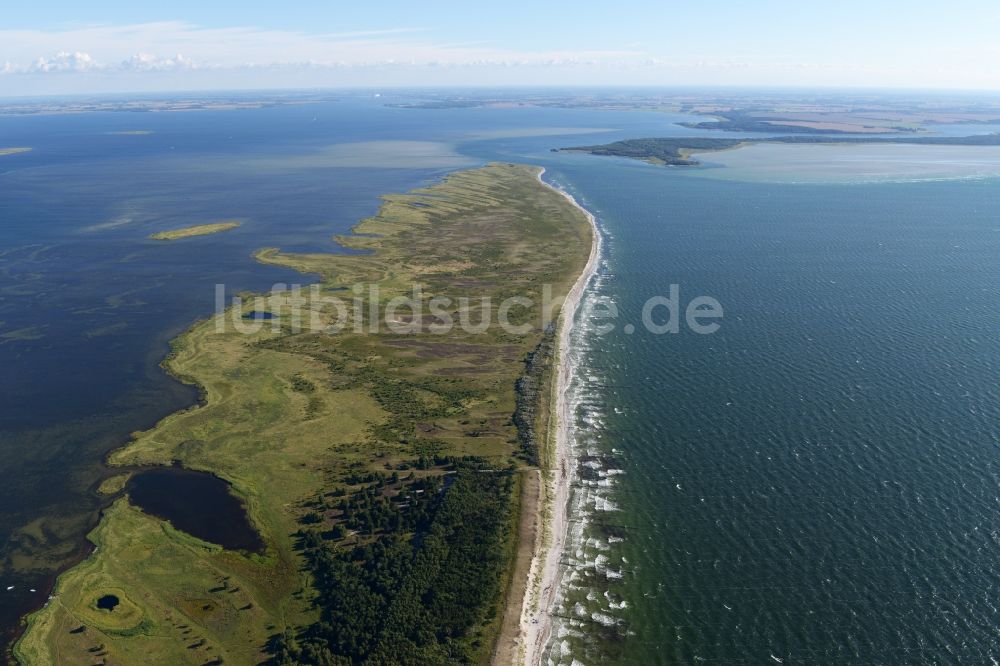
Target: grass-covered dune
[[195, 230], [381, 469]]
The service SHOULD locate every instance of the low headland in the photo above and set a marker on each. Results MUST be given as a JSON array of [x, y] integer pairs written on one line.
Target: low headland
[[388, 472], [195, 230], [678, 151], [13, 151]]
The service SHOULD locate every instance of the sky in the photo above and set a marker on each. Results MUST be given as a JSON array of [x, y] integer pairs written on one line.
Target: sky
[[63, 46]]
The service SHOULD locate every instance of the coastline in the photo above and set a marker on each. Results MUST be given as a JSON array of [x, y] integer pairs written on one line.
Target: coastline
[[552, 506], [205, 357]]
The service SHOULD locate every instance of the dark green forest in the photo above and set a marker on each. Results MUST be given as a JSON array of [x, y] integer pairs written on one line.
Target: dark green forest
[[409, 568]]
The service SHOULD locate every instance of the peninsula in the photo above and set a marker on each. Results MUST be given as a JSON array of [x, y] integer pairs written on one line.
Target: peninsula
[[13, 151], [678, 151], [392, 476]]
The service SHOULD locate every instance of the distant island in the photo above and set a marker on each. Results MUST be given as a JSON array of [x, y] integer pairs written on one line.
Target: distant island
[[677, 151], [196, 230], [805, 123], [13, 151]]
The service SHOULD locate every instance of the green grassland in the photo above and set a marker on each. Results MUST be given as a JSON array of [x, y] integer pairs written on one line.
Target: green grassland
[[196, 230], [338, 444]]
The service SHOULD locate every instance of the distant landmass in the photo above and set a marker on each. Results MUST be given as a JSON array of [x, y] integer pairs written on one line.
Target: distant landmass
[[676, 151], [771, 113], [749, 121], [194, 102]]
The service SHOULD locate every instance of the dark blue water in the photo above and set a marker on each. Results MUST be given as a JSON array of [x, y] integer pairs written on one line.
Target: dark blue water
[[818, 481], [815, 483], [88, 303], [197, 503]]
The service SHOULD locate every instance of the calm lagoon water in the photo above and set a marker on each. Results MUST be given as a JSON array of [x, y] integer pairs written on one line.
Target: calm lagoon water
[[88, 303], [816, 483]]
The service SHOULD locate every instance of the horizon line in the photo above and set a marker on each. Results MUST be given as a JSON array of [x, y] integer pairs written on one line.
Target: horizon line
[[526, 87]]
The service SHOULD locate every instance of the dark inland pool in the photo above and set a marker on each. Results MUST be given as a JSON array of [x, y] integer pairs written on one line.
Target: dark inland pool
[[198, 503], [108, 602], [258, 314]]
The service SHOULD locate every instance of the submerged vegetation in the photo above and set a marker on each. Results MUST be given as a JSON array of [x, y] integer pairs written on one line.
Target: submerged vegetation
[[381, 469], [196, 230]]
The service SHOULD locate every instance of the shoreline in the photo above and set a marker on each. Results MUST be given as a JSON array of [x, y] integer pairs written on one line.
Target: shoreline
[[552, 507], [120, 529]]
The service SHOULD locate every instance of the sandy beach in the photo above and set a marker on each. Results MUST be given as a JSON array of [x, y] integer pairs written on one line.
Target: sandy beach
[[553, 503]]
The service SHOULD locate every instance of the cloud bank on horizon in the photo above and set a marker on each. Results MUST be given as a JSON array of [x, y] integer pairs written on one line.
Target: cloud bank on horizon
[[113, 57], [173, 55]]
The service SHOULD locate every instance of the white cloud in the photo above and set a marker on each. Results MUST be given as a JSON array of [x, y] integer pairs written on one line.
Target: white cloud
[[81, 61], [63, 61], [147, 62], [142, 57], [236, 47]]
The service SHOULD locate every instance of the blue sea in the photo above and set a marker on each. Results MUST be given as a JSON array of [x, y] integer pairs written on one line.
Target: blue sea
[[814, 483]]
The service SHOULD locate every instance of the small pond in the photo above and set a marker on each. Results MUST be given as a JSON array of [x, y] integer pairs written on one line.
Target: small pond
[[198, 503], [107, 602]]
